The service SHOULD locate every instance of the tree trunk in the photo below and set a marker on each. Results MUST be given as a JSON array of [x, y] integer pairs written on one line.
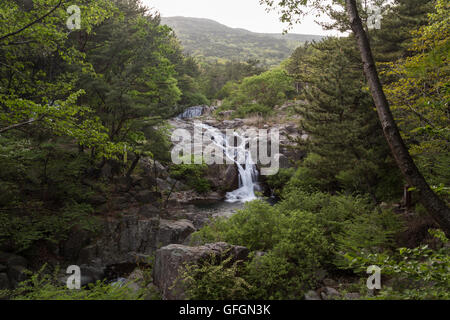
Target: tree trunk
[[133, 165], [435, 206]]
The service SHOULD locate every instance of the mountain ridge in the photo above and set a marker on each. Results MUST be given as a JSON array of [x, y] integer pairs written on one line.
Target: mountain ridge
[[213, 41]]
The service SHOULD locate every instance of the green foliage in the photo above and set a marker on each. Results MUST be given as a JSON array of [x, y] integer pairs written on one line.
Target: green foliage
[[269, 88], [295, 244], [252, 227], [259, 94], [253, 109], [215, 280], [347, 143], [218, 80], [290, 268], [419, 274], [372, 232], [46, 286], [192, 174], [310, 177], [20, 230], [71, 101], [420, 97], [278, 181], [402, 16]]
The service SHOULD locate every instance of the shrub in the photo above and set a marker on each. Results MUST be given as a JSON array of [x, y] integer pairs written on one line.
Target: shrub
[[251, 109], [308, 178], [214, 280], [290, 269], [372, 232], [419, 273], [331, 212], [278, 181], [192, 175], [21, 231], [46, 286], [252, 227]]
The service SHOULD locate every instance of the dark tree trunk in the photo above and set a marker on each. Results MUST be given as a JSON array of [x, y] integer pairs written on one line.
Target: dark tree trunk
[[133, 165], [435, 206]]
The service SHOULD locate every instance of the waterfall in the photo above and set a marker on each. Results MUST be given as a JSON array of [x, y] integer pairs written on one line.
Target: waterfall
[[192, 112], [248, 172]]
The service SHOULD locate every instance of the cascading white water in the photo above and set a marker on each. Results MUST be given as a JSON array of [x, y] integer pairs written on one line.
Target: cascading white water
[[192, 112], [248, 173]]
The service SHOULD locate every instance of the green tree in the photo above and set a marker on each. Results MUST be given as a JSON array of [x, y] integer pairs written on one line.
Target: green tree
[[344, 131], [420, 98], [350, 18]]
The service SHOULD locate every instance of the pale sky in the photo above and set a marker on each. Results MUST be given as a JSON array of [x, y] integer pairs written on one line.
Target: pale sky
[[246, 14]]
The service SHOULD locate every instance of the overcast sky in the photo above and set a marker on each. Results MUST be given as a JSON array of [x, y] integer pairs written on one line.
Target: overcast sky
[[246, 14]]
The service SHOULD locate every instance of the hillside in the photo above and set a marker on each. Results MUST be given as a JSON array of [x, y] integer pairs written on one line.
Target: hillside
[[212, 40]]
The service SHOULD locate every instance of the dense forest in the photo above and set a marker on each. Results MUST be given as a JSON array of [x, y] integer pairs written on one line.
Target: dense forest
[[86, 175]]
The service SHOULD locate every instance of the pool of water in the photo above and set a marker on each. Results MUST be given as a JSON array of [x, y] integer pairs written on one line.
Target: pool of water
[[219, 209]]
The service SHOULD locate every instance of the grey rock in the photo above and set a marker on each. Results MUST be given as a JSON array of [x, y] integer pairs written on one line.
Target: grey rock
[[174, 232], [329, 282], [329, 293], [171, 259], [285, 163], [10, 259], [164, 185], [312, 295], [92, 272], [17, 274], [127, 239], [146, 196], [4, 282], [149, 211], [77, 240], [352, 296]]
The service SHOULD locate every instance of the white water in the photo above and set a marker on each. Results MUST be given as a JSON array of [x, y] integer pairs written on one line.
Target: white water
[[248, 173], [192, 112]]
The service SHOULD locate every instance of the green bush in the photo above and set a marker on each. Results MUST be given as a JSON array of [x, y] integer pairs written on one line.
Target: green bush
[[309, 178], [46, 286], [331, 212], [278, 181], [194, 99], [372, 232], [193, 175], [294, 244], [418, 274], [21, 231], [215, 280], [253, 227], [252, 109], [290, 268]]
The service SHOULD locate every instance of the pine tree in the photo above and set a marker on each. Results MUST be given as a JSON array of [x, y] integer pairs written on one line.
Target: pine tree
[[391, 42], [342, 123]]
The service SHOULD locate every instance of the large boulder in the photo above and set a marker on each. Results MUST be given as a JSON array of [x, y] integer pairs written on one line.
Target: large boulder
[[222, 177], [171, 259], [4, 282], [13, 270], [123, 240]]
